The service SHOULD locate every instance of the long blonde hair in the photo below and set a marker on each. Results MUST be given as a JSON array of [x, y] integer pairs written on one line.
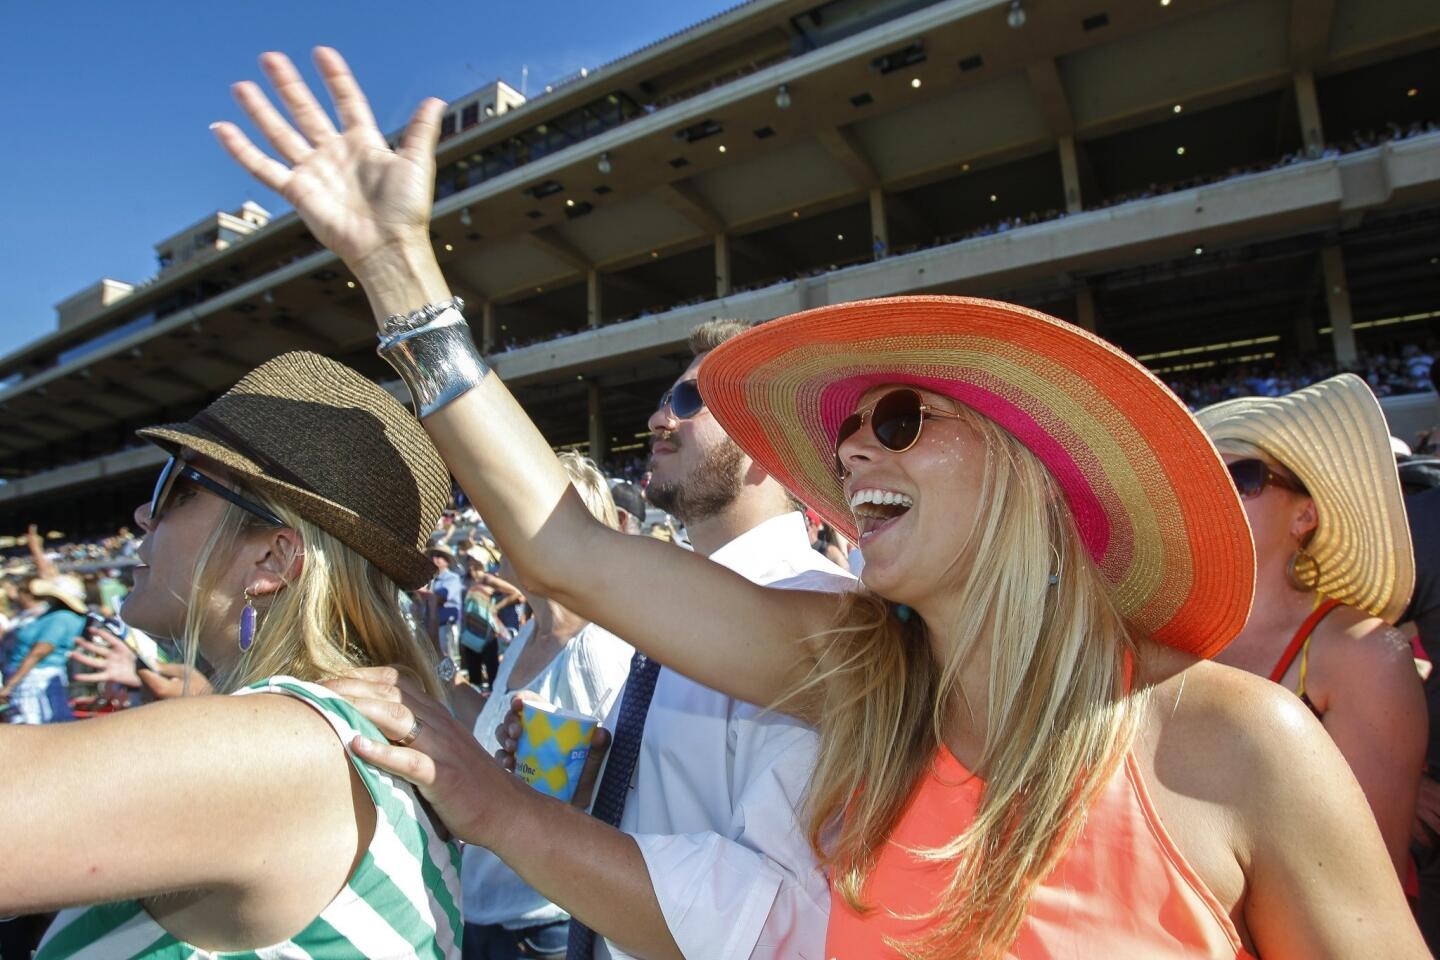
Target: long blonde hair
[[339, 613], [1058, 715]]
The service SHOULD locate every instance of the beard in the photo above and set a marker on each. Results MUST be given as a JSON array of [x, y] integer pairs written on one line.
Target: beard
[[713, 484]]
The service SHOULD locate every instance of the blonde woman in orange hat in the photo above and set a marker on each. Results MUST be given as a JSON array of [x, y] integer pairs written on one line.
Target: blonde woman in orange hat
[[1318, 480], [1024, 749], [291, 512]]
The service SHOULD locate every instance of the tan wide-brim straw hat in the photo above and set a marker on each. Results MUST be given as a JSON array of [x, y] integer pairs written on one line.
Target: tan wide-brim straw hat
[[334, 447], [67, 590], [1332, 436]]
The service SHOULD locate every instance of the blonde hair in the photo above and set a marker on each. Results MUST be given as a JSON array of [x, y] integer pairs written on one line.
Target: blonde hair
[[339, 613], [592, 487], [1059, 715]]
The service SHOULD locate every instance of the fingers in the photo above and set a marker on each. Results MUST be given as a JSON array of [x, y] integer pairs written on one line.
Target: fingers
[[102, 634], [94, 663], [422, 133], [401, 761], [295, 93], [353, 689], [268, 120], [350, 102], [163, 688], [585, 786], [269, 171], [391, 717]]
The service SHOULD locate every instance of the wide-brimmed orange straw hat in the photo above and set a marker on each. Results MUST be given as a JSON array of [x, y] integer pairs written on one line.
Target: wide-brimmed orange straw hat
[[1150, 496]]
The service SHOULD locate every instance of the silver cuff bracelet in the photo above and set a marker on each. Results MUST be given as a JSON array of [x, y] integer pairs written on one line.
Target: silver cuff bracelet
[[438, 361]]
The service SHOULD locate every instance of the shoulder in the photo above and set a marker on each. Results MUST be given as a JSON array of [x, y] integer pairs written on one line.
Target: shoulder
[[1359, 655], [1251, 747]]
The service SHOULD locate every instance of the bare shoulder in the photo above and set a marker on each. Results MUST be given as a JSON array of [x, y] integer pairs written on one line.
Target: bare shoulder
[[1232, 736], [1354, 645]]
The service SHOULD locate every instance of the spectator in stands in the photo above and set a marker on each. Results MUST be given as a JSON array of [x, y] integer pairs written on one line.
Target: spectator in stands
[[37, 679], [1336, 569], [567, 662], [447, 596], [1067, 706], [279, 575], [482, 632], [629, 506]]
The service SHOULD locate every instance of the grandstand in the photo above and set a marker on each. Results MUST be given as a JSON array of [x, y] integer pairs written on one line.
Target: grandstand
[[1204, 182]]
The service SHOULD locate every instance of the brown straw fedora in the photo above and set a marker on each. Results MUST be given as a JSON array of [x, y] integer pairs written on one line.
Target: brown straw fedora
[[1333, 437], [65, 589], [334, 447]]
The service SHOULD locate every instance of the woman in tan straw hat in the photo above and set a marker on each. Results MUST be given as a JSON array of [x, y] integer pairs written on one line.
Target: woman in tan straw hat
[[1318, 479], [1024, 749], [291, 513]]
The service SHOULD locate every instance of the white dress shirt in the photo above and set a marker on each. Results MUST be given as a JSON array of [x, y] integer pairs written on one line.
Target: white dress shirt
[[715, 800]]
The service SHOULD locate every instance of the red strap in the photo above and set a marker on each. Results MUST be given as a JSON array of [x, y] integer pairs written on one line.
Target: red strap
[[1301, 635]]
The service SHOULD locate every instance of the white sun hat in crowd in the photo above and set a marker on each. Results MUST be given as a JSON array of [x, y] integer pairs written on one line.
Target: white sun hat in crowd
[[1332, 436]]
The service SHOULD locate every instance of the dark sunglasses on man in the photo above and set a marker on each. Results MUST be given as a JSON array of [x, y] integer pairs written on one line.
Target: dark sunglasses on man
[[1253, 475], [176, 470], [895, 419], [683, 399]]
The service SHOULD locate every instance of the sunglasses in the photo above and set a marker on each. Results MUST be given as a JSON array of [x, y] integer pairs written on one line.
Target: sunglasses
[[176, 469], [895, 419], [683, 399], [1252, 476]]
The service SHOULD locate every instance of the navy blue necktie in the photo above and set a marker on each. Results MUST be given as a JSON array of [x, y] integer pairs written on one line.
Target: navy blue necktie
[[619, 769]]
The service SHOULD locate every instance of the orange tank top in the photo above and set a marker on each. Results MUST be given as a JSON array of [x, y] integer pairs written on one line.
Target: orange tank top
[[1122, 890]]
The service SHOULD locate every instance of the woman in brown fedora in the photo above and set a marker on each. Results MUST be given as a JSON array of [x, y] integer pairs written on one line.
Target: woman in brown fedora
[[1319, 483], [1024, 750], [291, 513]]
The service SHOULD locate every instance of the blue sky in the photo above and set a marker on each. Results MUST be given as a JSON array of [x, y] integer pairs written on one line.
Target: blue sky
[[104, 108]]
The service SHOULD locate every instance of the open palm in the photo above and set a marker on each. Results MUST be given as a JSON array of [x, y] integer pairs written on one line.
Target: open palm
[[355, 194]]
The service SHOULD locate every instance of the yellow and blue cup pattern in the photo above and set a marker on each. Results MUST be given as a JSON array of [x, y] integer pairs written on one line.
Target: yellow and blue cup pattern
[[552, 749]]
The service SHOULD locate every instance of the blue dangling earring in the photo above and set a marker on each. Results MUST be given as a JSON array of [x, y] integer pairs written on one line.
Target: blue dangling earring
[[903, 612], [247, 623]]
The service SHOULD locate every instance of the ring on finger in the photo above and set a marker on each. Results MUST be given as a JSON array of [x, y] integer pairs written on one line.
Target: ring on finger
[[409, 738]]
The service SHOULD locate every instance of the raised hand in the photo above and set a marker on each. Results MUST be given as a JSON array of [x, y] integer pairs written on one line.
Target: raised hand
[[357, 196], [110, 662]]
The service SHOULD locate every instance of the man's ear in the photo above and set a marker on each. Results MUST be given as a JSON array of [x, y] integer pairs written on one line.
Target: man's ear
[[280, 557]]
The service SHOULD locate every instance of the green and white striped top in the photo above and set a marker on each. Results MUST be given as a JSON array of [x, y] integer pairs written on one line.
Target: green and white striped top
[[403, 900]]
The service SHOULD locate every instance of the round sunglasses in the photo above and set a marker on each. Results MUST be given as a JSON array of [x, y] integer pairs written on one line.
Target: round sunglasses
[[683, 399], [176, 469], [1253, 475], [895, 420]]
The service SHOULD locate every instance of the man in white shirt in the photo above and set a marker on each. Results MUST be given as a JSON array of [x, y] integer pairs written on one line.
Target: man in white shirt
[[715, 801]]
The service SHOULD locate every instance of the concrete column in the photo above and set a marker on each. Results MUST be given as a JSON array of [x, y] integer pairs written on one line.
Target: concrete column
[[1308, 104], [1337, 300], [1085, 314], [487, 327], [597, 422], [722, 265], [592, 298], [879, 226], [1070, 175]]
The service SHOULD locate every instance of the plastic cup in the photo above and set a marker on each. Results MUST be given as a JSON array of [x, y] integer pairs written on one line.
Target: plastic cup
[[552, 749]]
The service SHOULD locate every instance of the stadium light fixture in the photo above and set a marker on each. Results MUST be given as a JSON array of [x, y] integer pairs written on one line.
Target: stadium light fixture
[[603, 164], [721, 148], [1015, 16], [1179, 151], [1199, 251], [993, 198], [569, 202], [350, 284], [839, 236], [915, 83], [449, 248], [782, 97], [1178, 107], [1164, 3], [1413, 92], [795, 214]]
